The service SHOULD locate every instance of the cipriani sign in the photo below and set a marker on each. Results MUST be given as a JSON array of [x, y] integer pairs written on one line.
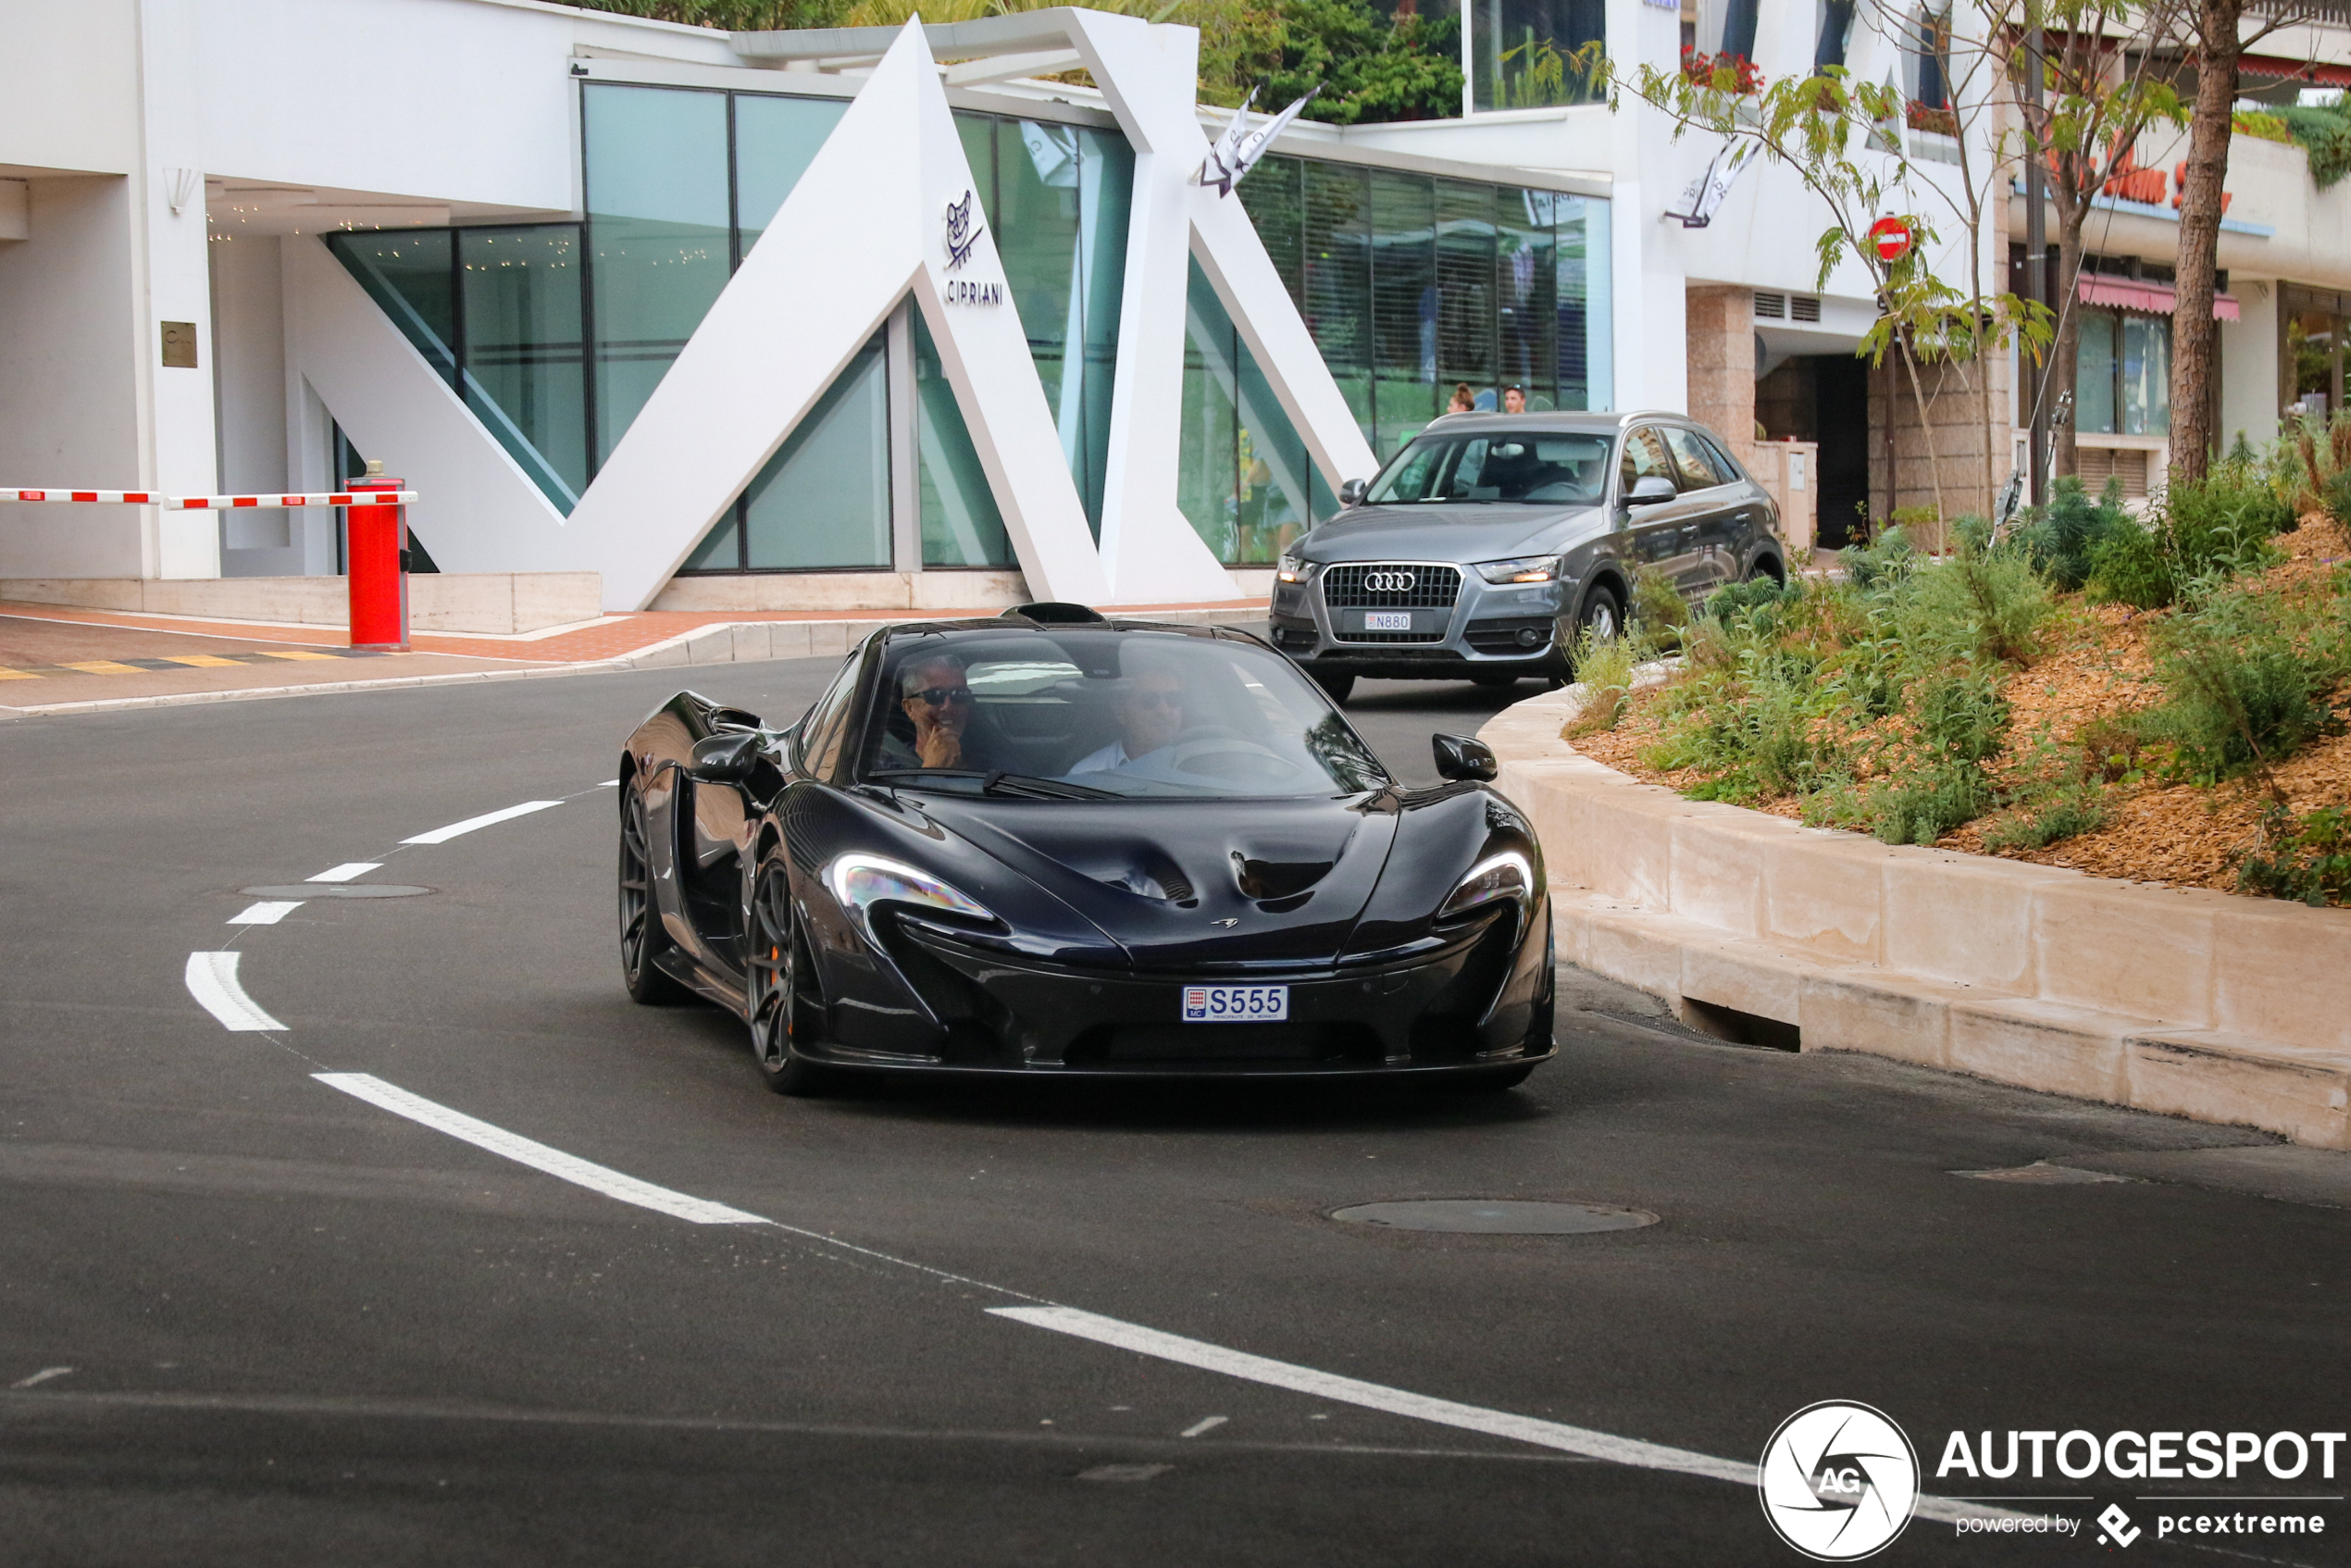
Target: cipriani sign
[[962, 234]]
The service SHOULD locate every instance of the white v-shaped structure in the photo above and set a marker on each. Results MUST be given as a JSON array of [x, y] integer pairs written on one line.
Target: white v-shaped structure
[[874, 221]]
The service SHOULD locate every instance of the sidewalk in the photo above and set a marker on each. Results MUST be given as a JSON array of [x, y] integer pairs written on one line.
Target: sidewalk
[[58, 658]]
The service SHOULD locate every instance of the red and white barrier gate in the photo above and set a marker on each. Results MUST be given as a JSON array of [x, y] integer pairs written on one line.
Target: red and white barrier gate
[[377, 531]]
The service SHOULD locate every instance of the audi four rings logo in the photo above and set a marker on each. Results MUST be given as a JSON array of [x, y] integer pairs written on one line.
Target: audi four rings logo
[[1387, 582]]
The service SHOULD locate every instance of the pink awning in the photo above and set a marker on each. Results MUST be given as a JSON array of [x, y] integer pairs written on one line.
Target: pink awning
[[2153, 299]]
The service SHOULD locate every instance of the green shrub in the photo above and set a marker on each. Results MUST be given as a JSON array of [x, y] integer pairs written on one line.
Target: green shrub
[[2200, 533], [2308, 861], [1658, 608], [1884, 560], [2337, 497], [2129, 566], [1756, 601], [2061, 537], [2235, 703], [1982, 606], [2040, 822], [1604, 667], [1928, 802]]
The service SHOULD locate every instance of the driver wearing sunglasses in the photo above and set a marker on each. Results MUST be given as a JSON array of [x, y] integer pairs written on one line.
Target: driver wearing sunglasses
[[1150, 715], [937, 697]]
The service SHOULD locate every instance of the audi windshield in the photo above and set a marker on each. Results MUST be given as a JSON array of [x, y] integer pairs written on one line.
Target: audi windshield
[[1567, 468]]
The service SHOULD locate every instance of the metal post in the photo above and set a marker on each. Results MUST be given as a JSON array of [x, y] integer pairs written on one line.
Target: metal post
[[379, 588], [2036, 261]]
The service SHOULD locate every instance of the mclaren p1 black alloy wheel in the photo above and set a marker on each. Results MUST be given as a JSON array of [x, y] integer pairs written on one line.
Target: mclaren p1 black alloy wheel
[[776, 976], [642, 940]]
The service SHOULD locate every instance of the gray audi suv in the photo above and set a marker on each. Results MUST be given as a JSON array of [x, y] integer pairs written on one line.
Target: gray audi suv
[[1492, 539]]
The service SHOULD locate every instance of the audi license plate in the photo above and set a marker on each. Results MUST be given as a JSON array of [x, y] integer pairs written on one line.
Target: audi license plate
[[1387, 620], [1235, 1004]]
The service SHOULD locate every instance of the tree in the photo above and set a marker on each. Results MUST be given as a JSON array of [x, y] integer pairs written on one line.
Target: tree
[[1842, 138], [2101, 91], [2215, 31], [1370, 67]]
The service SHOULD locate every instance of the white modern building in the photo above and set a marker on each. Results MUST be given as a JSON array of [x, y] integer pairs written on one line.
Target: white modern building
[[900, 317]]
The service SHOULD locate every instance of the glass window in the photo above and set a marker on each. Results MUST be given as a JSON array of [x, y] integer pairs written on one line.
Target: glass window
[[961, 525], [1403, 313], [817, 746], [1095, 714], [776, 140], [1836, 28], [1587, 330], [1465, 286], [1520, 48], [408, 274], [1554, 468], [1724, 463], [1243, 478], [1645, 459], [2094, 373], [1525, 282], [2147, 376], [1694, 458], [658, 235], [822, 501], [524, 365]]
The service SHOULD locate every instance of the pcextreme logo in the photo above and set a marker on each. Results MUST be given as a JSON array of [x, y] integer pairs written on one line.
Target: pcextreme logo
[[1838, 1481]]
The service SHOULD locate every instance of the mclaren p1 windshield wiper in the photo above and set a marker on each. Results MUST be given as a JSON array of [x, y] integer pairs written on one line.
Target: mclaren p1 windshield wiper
[[996, 781]]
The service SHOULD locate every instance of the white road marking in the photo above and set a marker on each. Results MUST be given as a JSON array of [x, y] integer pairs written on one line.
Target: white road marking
[[523, 1151], [609, 784], [212, 980], [1420, 1407], [346, 871], [442, 834], [43, 1376], [267, 912], [1205, 1423]]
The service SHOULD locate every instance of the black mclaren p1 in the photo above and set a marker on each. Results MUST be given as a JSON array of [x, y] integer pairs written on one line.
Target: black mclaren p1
[[1051, 843]]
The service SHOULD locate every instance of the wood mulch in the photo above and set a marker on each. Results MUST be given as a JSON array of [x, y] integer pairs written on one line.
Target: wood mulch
[[2096, 662]]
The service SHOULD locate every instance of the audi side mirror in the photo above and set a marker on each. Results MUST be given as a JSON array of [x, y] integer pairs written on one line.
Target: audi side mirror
[[1350, 493], [1649, 490], [1463, 760], [725, 758]]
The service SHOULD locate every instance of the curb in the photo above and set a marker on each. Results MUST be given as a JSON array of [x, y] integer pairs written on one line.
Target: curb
[[2183, 1001], [719, 643]]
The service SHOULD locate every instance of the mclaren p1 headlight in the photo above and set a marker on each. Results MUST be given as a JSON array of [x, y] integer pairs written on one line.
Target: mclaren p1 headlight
[[861, 881], [1521, 568], [1497, 877]]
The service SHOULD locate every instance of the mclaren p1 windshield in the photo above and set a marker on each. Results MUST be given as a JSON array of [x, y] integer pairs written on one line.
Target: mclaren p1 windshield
[[1100, 714]]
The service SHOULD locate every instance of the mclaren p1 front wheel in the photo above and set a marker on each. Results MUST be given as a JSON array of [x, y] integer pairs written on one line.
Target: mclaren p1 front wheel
[[775, 999], [642, 940]]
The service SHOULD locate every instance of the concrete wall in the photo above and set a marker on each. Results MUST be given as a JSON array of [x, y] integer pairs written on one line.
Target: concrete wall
[[485, 602], [70, 336]]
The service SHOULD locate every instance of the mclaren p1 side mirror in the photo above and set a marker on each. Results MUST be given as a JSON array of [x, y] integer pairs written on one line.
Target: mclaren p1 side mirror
[[725, 758], [1350, 493], [1649, 490], [1463, 760]]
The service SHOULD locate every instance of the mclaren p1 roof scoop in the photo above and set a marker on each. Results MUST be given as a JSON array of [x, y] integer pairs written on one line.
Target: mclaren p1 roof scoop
[[1056, 612]]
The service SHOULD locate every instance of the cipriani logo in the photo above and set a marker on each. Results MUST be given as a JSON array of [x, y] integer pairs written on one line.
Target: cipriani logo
[[963, 231], [1838, 1481]]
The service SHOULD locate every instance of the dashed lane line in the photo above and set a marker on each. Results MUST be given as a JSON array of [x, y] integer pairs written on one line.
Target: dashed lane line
[[269, 912], [212, 980], [442, 834], [538, 1156]]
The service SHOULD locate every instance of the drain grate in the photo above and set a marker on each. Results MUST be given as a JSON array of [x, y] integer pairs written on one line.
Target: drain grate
[[1491, 1216], [336, 891]]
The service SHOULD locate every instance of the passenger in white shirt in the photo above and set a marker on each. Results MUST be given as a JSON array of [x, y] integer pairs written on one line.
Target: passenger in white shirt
[[1150, 717]]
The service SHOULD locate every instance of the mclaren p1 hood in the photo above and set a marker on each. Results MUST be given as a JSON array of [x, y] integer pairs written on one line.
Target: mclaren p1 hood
[[1189, 885]]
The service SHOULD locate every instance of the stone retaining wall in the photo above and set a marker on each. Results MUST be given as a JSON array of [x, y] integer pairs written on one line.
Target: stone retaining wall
[[2186, 1001]]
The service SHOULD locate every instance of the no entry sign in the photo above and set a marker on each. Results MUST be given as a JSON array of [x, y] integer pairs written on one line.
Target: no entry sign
[[1892, 238]]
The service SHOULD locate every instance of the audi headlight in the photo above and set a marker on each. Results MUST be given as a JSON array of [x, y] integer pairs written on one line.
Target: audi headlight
[[1291, 569], [1521, 568], [861, 881], [1505, 876]]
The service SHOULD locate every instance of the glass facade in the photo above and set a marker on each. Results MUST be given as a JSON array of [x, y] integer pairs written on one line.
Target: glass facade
[[1056, 197], [555, 335], [1519, 49]]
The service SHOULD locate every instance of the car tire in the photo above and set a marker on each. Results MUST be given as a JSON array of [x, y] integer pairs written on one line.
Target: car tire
[[1602, 613], [1336, 686], [642, 938], [776, 975]]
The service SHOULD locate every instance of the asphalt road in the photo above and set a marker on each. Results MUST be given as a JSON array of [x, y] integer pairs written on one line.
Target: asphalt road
[[296, 1328]]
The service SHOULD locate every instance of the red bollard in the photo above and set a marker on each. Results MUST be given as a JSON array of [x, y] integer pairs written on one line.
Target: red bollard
[[379, 588]]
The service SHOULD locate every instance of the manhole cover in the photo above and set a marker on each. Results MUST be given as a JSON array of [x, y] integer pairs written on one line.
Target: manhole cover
[[2041, 1173], [1485, 1216], [336, 891]]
